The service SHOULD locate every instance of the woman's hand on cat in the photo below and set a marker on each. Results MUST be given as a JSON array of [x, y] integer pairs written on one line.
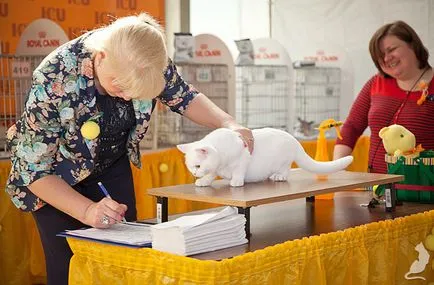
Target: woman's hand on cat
[[246, 136]]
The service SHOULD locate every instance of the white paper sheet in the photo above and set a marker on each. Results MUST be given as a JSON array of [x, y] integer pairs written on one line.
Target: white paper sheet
[[187, 222], [118, 233]]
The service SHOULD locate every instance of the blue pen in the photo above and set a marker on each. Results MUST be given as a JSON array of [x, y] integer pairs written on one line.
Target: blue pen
[[105, 192]]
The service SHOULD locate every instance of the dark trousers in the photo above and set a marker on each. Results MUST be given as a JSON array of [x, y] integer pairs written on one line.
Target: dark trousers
[[119, 183]]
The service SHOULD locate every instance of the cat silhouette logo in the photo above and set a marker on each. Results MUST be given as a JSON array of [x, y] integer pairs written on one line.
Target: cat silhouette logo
[[418, 266]]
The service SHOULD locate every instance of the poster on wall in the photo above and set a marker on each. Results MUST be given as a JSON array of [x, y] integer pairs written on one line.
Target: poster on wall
[[245, 55], [41, 37], [211, 49], [74, 16], [184, 48], [270, 52], [217, 65]]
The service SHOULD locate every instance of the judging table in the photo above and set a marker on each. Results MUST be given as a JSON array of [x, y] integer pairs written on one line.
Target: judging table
[[21, 255], [293, 242], [300, 184]]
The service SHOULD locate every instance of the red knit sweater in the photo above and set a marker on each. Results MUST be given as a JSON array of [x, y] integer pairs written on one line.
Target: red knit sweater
[[377, 106]]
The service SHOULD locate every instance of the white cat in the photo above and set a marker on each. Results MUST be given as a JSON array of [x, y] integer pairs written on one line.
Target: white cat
[[223, 153]]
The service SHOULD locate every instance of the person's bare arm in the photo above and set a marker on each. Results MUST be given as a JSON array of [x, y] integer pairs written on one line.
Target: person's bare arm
[[341, 150], [356, 122], [204, 112], [56, 192]]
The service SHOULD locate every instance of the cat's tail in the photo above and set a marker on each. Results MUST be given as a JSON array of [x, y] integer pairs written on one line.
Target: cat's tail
[[304, 161]]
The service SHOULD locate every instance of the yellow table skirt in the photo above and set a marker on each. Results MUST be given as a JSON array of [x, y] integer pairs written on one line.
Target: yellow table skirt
[[151, 176], [376, 254], [21, 256]]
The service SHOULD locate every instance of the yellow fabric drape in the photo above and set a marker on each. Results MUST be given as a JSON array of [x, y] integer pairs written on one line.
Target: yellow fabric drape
[[376, 254], [360, 153], [151, 176], [21, 255]]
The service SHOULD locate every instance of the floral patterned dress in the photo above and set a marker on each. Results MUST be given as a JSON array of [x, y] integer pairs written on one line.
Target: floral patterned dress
[[46, 140]]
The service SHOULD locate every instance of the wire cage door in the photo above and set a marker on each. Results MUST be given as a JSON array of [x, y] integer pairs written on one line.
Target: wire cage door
[[317, 97], [209, 79], [263, 96], [15, 82]]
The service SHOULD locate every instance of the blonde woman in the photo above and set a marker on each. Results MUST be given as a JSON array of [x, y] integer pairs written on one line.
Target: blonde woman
[[88, 108]]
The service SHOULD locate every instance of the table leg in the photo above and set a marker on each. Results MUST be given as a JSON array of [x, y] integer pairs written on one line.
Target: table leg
[[390, 195], [246, 213], [162, 209], [310, 199]]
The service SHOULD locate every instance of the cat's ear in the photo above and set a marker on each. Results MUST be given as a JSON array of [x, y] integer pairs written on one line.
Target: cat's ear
[[184, 148], [203, 151]]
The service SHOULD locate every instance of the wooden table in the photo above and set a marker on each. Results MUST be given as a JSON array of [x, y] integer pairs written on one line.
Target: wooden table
[[326, 242], [301, 184], [291, 220]]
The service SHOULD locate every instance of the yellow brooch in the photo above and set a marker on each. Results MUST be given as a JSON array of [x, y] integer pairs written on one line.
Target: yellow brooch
[[423, 85], [90, 130]]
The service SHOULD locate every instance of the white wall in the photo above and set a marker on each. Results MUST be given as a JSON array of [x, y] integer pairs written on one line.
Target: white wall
[[172, 23], [339, 28], [344, 27], [230, 19]]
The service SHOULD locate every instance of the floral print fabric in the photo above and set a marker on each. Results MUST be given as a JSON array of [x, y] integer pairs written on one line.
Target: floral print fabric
[[46, 140]]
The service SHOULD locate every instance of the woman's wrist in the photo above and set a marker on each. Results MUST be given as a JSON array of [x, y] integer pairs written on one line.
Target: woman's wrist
[[231, 124], [87, 209]]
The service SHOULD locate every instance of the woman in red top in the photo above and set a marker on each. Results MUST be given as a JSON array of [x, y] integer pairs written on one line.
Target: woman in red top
[[391, 96]]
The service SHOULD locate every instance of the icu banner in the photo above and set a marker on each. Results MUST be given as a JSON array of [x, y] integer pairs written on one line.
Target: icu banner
[[73, 16]]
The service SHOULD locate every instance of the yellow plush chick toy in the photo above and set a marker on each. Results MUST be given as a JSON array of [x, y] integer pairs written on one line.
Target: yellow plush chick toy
[[399, 141]]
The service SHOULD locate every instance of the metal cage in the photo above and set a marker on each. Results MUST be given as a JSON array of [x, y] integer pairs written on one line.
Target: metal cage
[[317, 97], [15, 82], [210, 79], [263, 96]]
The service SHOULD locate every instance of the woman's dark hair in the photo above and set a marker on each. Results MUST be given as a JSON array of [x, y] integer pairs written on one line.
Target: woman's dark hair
[[405, 33]]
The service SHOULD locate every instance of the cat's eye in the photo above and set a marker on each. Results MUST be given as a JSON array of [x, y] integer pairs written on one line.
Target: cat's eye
[[402, 135], [197, 166]]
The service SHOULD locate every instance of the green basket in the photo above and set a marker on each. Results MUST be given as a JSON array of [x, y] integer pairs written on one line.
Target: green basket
[[418, 185]]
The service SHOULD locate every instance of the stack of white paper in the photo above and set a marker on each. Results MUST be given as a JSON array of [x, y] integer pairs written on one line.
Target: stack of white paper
[[195, 234]]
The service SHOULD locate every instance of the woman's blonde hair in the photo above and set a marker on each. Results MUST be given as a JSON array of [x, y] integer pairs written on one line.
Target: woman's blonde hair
[[136, 52]]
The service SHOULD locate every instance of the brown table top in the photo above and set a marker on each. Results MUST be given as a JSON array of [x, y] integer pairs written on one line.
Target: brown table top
[[301, 184]]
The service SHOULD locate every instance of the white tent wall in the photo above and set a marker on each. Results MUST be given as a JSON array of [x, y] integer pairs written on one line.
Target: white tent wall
[[330, 28], [230, 19], [344, 28]]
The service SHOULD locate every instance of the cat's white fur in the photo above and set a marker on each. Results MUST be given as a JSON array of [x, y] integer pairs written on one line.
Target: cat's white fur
[[223, 153]]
